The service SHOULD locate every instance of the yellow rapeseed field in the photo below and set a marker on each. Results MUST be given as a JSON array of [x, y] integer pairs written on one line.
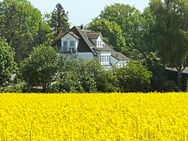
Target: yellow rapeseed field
[[96, 117]]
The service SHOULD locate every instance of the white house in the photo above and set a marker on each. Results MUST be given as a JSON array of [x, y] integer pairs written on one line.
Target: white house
[[87, 44]]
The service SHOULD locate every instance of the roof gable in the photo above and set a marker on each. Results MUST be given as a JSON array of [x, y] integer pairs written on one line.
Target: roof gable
[[84, 45]]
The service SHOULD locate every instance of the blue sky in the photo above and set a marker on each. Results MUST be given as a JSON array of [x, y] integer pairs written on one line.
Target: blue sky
[[83, 11]]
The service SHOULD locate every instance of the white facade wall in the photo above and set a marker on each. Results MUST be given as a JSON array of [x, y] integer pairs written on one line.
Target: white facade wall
[[85, 55], [99, 42], [121, 64], [113, 61], [68, 38]]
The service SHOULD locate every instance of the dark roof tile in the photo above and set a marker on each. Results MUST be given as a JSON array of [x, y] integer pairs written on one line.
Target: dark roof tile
[[92, 35]]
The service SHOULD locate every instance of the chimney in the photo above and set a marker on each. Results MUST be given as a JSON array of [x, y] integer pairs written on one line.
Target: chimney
[[82, 26]]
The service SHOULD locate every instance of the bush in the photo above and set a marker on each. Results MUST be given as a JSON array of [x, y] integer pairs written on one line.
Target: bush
[[40, 68], [134, 78], [107, 81], [69, 82], [77, 75], [7, 63], [17, 88]]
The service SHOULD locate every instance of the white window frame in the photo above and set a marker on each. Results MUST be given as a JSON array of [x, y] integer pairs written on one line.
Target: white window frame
[[65, 46], [73, 45], [105, 59], [99, 43]]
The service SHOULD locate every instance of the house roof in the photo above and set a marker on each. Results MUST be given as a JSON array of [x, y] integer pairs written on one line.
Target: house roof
[[120, 57], [74, 35], [117, 55], [185, 71], [61, 33], [92, 35], [86, 45]]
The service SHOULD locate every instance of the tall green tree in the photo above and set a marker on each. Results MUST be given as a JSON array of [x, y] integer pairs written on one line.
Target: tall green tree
[[111, 31], [59, 20], [130, 20], [43, 35], [19, 25], [7, 63], [170, 33], [41, 67]]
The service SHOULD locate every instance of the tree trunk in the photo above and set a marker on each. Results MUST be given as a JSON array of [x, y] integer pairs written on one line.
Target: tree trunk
[[44, 87], [179, 79]]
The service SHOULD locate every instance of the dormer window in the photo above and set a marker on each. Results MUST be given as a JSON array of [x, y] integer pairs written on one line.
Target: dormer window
[[99, 43], [72, 44]]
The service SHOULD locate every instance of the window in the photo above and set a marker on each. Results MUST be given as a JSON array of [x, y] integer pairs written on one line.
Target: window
[[105, 59], [65, 45], [99, 43], [102, 58], [72, 44], [108, 58]]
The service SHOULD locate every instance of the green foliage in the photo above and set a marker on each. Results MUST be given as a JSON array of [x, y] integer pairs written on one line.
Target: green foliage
[[58, 20], [19, 25], [40, 68], [107, 81], [170, 38], [7, 63], [15, 88], [88, 73], [77, 75], [130, 20], [159, 80], [134, 77], [68, 75], [142, 45], [111, 31], [44, 35]]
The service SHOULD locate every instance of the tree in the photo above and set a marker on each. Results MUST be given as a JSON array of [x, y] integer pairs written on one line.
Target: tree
[[7, 63], [68, 75], [130, 21], [111, 31], [44, 35], [59, 20], [107, 81], [89, 70], [134, 77], [170, 38], [159, 80], [19, 25], [77, 75], [40, 68]]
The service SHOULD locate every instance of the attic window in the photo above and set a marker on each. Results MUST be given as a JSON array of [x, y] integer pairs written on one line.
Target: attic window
[[72, 44], [99, 43]]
